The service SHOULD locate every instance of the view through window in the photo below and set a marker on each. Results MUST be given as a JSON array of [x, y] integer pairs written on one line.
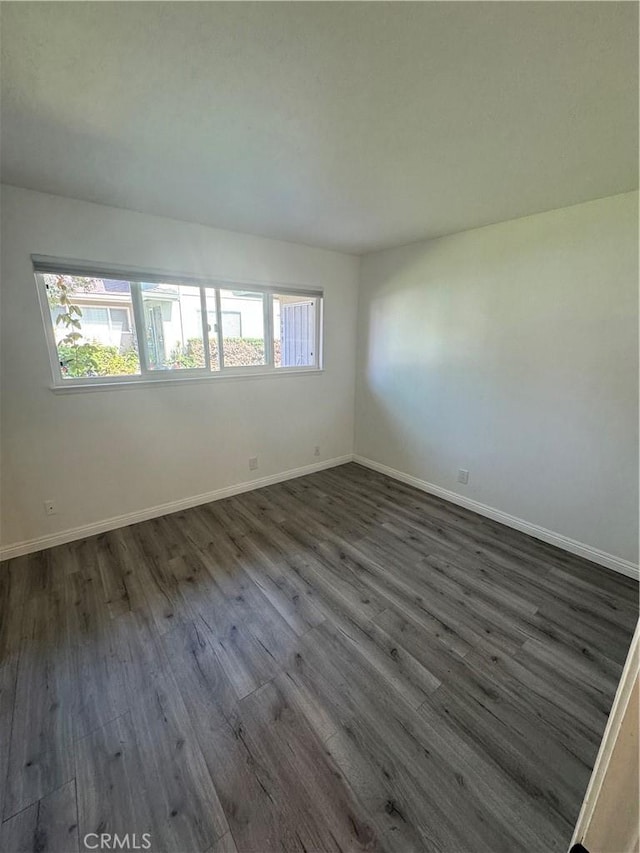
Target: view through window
[[120, 329], [295, 326]]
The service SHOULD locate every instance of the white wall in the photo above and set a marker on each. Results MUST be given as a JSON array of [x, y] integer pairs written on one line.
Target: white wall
[[512, 351], [106, 453]]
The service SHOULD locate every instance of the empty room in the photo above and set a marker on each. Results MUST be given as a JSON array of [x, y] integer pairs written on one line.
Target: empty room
[[319, 427]]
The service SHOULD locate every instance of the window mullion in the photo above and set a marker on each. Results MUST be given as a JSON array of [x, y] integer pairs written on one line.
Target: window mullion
[[319, 318], [267, 299], [205, 328], [138, 321], [219, 328]]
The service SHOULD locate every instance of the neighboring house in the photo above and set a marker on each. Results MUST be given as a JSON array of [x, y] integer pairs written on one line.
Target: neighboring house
[[107, 315]]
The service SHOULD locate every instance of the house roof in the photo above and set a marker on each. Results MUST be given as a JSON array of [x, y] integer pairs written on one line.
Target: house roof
[[111, 285]]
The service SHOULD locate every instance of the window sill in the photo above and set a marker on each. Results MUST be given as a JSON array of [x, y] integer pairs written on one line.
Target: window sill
[[117, 385]]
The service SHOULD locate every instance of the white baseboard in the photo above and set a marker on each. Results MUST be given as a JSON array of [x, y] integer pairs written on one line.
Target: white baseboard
[[624, 567], [29, 546], [610, 561]]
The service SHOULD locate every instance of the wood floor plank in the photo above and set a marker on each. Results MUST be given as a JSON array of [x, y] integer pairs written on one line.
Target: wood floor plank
[[41, 748], [142, 658], [339, 591], [529, 559], [540, 765], [377, 570], [152, 555], [143, 773], [479, 585], [13, 574], [119, 573], [48, 826], [258, 819], [395, 630], [587, 628], [404, 674], [512, 685], [115, 792], [8, 673], [246, 662], [252, 607], [294, 600], [98, 693], [385, 737], [7, 695], [459, 613], [201, 679], [337, 662], [306, 782], [430, 750], [394, 805], [44, 573], [226, 844], [185, 804]]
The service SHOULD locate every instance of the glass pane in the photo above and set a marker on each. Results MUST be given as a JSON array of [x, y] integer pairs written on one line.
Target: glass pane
[[173, 326], [294, 331], [95, 317], [88, 342], [242, 328], [119, 319]]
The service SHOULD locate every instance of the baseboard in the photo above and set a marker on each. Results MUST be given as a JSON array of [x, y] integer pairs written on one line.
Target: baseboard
[[602, 558], [29, 546], [610, 561]]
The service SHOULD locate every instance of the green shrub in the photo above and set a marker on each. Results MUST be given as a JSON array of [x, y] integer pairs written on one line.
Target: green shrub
[[237, 352], [94, 359]]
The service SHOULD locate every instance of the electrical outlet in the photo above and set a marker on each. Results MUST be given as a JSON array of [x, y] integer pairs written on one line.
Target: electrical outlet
[[316, 450], [253, 463], [463, 475], [49, 507]]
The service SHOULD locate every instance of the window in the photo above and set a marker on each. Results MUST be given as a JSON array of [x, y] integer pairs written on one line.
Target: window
[[295, 324], [173, 332], [243, 324], [105, 327], [92, 338]]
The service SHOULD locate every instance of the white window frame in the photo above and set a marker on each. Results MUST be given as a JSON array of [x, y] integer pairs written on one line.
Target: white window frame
[[46, 265]]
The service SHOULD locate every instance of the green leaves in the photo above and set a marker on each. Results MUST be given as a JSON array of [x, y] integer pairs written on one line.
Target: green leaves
[[84, 360], [60, 289]]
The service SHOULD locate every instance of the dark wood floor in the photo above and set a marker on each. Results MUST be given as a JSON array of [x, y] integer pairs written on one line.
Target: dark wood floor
[[335, 663]]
